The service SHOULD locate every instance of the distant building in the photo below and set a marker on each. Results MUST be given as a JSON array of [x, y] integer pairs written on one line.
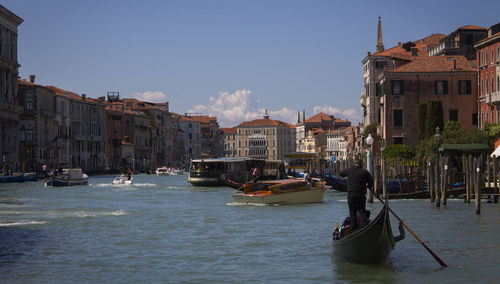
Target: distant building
[[87, 133], [10, 110], [488, 63], [212, 140], [230, 141], [317, 122], [39, 130], [191, 130], [265, 138]]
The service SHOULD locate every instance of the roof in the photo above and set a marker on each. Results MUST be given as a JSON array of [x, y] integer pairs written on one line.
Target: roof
[[435, 64], [229, 130], [203, 118], [265, 122], [472, 27], [320, 117], [422, 45]]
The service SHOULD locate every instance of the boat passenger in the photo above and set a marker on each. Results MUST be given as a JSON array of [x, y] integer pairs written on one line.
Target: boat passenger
[[358, 180], [307, 177]]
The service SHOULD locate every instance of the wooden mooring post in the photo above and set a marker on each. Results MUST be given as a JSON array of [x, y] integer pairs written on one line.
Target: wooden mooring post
[[430, 179], [437, 186], [478, 185], [471, 180], [444, 183]]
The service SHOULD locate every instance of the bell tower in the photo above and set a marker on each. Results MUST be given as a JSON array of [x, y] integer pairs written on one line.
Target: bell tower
[[380, 44]]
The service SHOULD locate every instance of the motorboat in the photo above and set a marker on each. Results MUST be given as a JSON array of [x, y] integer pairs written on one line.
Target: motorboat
[[68, 177], [287, 191], [123, 179], [162, 171]]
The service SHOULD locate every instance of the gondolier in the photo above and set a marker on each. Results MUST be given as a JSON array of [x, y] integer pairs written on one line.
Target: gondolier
[[358, 180]]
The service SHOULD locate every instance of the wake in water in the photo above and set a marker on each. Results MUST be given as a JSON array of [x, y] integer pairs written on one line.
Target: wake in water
[[137, 185], [22, 223], [249, 204]]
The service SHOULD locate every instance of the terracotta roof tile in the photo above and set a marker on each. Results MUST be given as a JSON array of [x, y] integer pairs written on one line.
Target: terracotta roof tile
[[320, 117], [229, 130], [435, 64], [264, 122], [472, 27]]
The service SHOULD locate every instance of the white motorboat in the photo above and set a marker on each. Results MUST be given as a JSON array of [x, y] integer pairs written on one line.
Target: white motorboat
[[123, 179], [163, 171]]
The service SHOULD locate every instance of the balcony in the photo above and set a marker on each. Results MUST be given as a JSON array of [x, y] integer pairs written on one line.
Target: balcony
[[493, 98]]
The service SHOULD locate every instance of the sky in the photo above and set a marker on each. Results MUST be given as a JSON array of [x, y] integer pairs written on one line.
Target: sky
[[232, 59]]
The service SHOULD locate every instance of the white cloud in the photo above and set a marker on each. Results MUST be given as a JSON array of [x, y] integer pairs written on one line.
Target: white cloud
[[149, 96], [349, 113], [232, 109]]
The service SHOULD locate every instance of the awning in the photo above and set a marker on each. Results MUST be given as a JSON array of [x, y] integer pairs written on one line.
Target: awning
[[496, 153]]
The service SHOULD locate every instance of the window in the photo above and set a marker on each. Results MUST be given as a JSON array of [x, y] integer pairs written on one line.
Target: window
[[441, 87], [498, 54], [379, 64], [453, 115], [469, 40], [492, 84], [29, 134], [486, 57], [397, 87], [492, 56], [480, 58], [397, 140], [474, 118], [23, 131], [398, 118], [464, 87], [377, 90], [28, 101]]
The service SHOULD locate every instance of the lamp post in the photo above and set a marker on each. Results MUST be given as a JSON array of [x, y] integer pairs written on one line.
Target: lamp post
[[369, 164], [437, 136], [404, 143]]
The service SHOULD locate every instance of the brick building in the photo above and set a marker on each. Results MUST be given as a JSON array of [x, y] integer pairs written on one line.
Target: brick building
[[488, 62], [450, 79]]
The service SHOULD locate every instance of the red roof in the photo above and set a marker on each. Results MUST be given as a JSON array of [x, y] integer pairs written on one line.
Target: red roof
[[230, 130], [436, 64], [264, 122], [320, 117], [471, 27], [422, 45]]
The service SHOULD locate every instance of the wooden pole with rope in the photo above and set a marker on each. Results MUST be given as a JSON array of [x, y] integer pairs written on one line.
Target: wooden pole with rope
[[441, 262]]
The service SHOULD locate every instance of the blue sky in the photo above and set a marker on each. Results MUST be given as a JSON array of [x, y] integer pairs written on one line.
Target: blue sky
[[231, 59]]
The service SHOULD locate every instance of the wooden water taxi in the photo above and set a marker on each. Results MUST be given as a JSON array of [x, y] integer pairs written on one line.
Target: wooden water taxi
[[287, 191]]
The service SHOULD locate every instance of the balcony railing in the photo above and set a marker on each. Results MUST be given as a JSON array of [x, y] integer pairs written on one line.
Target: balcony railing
[[493, 98]]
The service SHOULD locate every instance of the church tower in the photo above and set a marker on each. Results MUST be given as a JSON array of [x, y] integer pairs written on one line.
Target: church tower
[[380, 44]]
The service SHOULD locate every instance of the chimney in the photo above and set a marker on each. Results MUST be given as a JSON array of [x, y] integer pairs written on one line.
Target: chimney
[[32, 78], [84, 96], [369, 53]]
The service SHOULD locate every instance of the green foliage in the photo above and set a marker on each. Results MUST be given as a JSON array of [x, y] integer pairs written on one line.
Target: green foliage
[[453, 133], [494, 130], [478, 136], [371, 129], [433, 118], [421, 116], [398, 151]]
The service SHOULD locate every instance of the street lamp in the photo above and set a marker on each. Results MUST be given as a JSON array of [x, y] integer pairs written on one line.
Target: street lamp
[[437, 136], [404, 143], [369, 162]]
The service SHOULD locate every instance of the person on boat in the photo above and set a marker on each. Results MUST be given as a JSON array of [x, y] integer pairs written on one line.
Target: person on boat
[[255, 174], [358, 180], [308, 178]]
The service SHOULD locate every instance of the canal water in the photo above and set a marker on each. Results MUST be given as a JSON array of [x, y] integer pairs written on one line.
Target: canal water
[[163, 230]]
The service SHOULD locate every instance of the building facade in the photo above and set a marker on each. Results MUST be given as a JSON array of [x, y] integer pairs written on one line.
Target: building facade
[[230, 141], [488, 63], [265, 138], [10, 110], [449, 79]]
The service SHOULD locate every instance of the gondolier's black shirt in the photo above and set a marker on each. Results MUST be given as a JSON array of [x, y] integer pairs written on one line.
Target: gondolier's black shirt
[[358, 179]]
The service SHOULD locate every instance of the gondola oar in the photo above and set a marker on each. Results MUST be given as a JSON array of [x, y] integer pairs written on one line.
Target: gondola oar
[[416, 237]]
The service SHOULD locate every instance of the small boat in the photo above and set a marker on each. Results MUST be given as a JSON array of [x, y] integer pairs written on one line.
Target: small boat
[[123, 179], [163, 171], [369, 244], [176, 172], [12, 178], [68, 177], [287, 191]]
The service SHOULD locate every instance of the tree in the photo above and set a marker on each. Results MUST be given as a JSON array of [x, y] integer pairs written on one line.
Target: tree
[[398, 151], [433, 118], [421, 116]]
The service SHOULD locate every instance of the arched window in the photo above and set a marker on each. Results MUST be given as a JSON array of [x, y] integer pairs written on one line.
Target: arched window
[[22, 134]]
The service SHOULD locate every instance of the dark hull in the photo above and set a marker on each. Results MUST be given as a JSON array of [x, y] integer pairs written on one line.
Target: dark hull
[[65, 182], [8, 179], [337, 184], [369, 244]]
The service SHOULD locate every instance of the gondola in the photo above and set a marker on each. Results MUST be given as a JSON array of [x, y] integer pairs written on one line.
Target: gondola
[[369, 244], [336, 183]]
